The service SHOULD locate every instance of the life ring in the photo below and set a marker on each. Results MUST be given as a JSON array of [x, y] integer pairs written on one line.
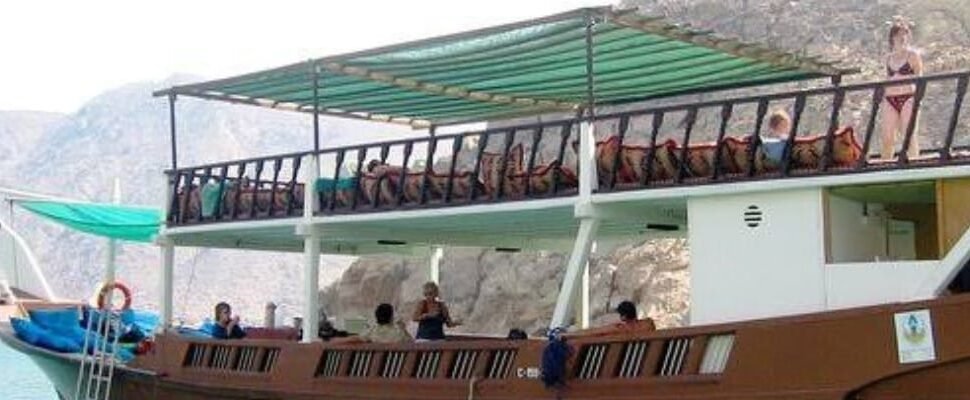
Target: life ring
[[108, 288]]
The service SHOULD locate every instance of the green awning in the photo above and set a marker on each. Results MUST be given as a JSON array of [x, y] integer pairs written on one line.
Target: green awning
[[137, 224], [516, 69]]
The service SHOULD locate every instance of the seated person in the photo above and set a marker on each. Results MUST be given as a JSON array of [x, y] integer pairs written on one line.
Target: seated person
[[227, 325], [386, 330], [629, 321], [773, 145]]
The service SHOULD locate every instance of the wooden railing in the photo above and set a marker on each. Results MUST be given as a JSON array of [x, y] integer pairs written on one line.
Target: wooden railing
[[832, 131]]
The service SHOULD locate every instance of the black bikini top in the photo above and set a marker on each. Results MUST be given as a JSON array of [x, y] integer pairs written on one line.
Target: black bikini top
[[904, 69]]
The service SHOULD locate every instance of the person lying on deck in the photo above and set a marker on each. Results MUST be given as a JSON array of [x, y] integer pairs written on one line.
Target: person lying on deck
[[432, 315], [773, 145], [227, 325]]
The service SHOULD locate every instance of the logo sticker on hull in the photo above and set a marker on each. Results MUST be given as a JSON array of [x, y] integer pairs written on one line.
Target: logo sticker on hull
[[914, 336]]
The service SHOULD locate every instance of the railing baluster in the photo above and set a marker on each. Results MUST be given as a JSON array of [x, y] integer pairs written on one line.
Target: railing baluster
[[376, 202], [530, 167], [877, 98], [277, 165], [428, 168], [837, 101], [911, 127], [361, 157], [223, 177], [256, 188], [955, 117], [564, 134], [756, 136], [504, 168], [404, 173], [206, 175], [792, 133], [239, 189], [190, 180], [294, 176], [647, 167], [726, 112], [477, 168], [690, 118], [336, 179], [456, 144], [621, 135], [174, 214]]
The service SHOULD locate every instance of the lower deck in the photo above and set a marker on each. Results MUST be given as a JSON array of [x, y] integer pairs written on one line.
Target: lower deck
[[862, 352]]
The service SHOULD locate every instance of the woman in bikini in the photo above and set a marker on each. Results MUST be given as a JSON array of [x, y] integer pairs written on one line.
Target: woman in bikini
[[902, 62]]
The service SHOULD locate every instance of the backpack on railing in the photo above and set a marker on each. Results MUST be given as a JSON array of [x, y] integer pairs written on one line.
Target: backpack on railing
[[554, 360]]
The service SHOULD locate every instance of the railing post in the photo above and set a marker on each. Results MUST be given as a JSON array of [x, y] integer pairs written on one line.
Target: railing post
[[277, 164], [690, 119], [530, 167], [223, 175], [504, 166], [877, 98], [726, 111], [294, 176], [624, 123], [837, 101], [408, 148], [476, 169], [256, 188], [361, 156], [311, 203], [332, 203], [792, 133], [911, 127], [756, 136], [376, 202], [647, 167], [564, 134], [955, 117], [241, 171], [588, 182]]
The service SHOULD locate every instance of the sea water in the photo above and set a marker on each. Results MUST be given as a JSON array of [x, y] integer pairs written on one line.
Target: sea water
[[20, 379]]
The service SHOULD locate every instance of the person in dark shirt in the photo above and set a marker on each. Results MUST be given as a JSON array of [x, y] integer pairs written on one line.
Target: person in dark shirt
[[227, 325], [432, 315]]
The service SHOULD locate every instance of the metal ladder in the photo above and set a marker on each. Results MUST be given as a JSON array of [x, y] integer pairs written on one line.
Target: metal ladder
[[97, 369]]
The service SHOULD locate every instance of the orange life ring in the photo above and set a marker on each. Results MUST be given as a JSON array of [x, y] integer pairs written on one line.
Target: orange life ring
[[108, 288]]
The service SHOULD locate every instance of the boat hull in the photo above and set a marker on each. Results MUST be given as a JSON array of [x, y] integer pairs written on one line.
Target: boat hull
[[61, 369]]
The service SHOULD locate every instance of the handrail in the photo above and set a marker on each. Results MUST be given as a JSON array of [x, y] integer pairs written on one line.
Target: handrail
[[506, 164]]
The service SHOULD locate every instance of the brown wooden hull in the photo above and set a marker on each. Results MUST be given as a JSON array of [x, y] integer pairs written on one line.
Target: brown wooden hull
[[834, 355]]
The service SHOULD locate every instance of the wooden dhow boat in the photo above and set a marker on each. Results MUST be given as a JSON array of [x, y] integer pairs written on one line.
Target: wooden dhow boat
[[827, 275]]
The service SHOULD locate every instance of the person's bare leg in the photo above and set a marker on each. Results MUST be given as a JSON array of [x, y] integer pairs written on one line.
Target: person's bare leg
[[904, 117], [890, 121]]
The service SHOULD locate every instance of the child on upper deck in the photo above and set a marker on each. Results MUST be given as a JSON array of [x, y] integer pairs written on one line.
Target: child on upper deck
[[773, 144]]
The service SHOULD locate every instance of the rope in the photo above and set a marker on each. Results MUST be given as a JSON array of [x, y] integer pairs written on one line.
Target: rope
[[471, 388]]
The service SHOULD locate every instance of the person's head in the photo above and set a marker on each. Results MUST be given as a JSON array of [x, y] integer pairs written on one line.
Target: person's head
[[384, 314], [517, 334], [899, 35], [430, 290], [372, 164], [297, 322], [223, 312], [627, 311], [779, 123]]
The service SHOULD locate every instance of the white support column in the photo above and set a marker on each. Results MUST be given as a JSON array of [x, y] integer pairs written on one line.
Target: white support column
[[165, 290], [311, 286], [581, 299], [311, 252], [574, 270], [112, 250], [434, 264]]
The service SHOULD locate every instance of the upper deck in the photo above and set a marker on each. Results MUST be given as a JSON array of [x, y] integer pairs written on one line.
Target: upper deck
[[451, 189]]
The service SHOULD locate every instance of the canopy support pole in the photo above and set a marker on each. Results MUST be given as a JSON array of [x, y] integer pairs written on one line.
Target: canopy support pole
[[171, 122], [18, 241], [112, 253], [581, 298], [168, 269], [311, 253], [434, 264], [315, 71]]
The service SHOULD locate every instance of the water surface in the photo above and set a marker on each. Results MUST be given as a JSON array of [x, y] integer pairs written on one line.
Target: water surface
[[20, 379]]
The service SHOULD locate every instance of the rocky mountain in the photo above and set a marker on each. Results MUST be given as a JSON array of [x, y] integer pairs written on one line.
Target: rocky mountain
[[124, 134]]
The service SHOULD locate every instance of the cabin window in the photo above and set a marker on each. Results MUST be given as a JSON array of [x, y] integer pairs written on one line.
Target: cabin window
[[885, 222]]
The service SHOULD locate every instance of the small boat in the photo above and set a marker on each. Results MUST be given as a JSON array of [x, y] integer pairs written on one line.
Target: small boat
[[825, 274]]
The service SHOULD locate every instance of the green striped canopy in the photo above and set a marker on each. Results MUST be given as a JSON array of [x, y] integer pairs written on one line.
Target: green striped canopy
[[516, 69], [138, 224]]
